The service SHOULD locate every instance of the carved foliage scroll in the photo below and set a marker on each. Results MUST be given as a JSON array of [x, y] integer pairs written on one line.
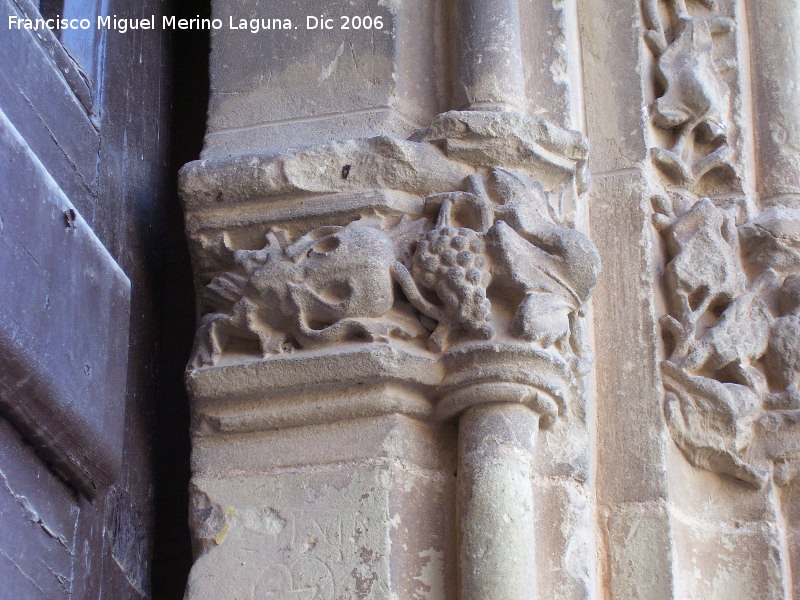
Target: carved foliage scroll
[[730, 280], [733, 369]]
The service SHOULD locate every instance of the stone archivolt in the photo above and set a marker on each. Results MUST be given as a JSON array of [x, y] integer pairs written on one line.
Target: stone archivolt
[[732, 282]]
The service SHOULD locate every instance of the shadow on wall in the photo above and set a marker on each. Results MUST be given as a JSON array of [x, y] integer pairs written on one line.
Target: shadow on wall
[[172, 549]]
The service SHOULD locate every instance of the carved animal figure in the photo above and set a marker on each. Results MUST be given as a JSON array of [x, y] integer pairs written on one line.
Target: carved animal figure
[[328, 275], [694, 102], [693, 95], [332, 284]]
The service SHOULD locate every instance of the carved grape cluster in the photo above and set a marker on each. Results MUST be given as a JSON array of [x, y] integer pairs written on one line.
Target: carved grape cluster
[[451, 261]]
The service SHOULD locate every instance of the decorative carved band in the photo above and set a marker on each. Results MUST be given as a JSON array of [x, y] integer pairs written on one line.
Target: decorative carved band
[[733, 341], [732, 282]]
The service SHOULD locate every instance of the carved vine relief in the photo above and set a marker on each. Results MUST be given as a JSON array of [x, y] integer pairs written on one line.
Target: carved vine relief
[[732, 375], [488, 262], [693, 103]]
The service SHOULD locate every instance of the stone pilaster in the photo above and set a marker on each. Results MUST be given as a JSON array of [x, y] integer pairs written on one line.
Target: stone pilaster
[[699, 271]]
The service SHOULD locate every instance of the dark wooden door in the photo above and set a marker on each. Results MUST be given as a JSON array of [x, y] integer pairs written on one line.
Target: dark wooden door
[[83, 187]]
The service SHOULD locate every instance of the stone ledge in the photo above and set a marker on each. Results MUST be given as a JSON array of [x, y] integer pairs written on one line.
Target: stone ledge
[[313, 387], [360, 380]]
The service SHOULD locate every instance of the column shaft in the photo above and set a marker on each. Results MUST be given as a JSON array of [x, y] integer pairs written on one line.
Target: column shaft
[[776, 79], [495, 502], [489, 72]]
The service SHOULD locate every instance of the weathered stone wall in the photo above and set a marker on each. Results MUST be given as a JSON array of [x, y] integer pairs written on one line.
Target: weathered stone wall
[[412, 377]]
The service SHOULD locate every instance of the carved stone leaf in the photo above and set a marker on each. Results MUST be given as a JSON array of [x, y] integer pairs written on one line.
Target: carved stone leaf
[[224, 291], [555, 259], [783, 354], [739, 336], [404, 236], [531, 268], [711, 422], [787, 467], [693, 91], [694, 103], [673, 165], [706, 264], [542, 318], [523, 203], [780, 433], [773, 239]]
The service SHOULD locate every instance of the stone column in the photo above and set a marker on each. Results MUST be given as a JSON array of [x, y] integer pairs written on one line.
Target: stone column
[[495, 502], [490, 73], [776, 79]]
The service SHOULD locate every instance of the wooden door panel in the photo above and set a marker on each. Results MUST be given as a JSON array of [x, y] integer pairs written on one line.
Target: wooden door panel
[[83, 194], [64, 313], [42, 105], [38, 514]]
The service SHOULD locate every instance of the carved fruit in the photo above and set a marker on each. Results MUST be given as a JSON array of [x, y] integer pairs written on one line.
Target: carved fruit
[[451, 261]]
